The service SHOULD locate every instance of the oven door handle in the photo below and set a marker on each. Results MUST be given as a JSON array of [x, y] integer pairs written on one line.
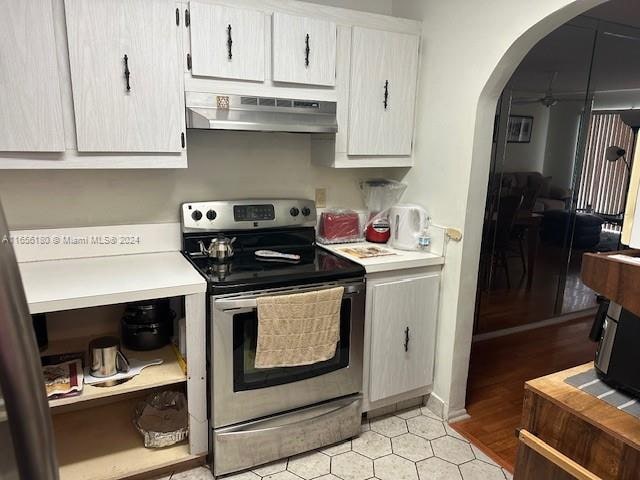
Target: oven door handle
[[252, 302]]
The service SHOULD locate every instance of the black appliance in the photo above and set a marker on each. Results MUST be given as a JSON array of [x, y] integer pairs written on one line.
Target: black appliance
[[40, 329], [617, 332], [147, 325]]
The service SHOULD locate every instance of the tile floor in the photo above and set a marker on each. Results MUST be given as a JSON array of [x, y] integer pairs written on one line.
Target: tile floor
[[412, 444]]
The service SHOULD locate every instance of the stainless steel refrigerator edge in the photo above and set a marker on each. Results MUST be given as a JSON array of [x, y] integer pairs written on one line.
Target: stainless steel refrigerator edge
[[26, 410]]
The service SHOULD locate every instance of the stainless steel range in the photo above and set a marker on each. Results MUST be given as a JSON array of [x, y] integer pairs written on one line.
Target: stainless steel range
[[259, 415]]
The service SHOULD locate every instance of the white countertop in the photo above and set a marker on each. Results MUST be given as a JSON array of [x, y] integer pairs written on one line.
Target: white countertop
[[401, 259], [53, 285]]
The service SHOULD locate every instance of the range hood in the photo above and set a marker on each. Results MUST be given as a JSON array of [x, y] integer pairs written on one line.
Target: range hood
[[265, 114]]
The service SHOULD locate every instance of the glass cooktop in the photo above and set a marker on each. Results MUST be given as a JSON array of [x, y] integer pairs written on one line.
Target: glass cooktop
[[244, 271]]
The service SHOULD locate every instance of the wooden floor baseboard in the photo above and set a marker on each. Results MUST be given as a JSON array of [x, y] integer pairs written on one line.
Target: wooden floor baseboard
[[532, 326]]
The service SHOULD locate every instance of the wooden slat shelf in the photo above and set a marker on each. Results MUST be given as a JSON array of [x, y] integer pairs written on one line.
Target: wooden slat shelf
[[615, 278], [168, 373], [102, 443]]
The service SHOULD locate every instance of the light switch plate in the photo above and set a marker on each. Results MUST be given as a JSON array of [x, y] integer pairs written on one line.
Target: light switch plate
[[321, 197]]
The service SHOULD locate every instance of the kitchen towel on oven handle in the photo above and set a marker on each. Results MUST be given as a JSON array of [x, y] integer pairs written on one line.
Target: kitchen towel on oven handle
[[298, 329]]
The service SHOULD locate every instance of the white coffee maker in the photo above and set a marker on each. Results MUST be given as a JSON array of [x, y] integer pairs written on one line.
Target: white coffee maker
[[409, 224]]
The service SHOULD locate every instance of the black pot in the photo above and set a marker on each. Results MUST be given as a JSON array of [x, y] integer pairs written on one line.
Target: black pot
[[148, 336], [147, 325], [149, 311]]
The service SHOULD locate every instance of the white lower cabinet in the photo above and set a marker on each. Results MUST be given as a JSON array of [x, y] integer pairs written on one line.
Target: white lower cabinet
[[401, 316]]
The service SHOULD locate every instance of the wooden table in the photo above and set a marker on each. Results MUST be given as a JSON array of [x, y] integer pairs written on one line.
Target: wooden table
[[567, 433]]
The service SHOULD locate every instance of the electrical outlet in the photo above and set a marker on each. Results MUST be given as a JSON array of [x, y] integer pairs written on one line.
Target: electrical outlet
[[321, 197]]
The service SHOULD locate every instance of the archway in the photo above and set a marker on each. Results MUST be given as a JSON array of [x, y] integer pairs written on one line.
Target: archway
[[469, 51], [482, 138]]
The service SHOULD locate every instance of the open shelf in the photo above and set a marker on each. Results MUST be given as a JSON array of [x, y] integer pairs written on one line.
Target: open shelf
[[54, 285], [167, 373], [103, 444]]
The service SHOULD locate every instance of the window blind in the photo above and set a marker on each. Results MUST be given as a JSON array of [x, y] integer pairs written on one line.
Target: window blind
[[602, 183]]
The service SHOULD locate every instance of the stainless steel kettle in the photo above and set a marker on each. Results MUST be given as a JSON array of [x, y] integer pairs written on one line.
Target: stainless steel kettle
[[220, 248]]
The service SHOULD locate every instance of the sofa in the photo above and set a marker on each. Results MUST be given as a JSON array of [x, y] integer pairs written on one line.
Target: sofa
[[587, 228], [540, 195]]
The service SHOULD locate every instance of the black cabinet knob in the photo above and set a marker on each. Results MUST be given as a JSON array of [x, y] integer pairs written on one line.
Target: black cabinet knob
[[294, 212], [211, 214], [196, 215], [306, 211]]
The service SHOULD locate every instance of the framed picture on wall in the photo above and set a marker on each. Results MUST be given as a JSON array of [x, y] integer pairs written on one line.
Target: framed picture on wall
[[520, 128]]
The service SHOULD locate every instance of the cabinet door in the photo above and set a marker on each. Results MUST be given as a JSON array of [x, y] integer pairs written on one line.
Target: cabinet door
[[403, 335], [304, 50], [383, 65], [227, 42], [143, 113], [31, 118]]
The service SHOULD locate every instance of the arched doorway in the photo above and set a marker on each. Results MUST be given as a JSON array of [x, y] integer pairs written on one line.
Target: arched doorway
[[611, 43], [469, 52]]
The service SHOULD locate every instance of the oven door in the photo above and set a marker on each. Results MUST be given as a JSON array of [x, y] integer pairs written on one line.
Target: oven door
[[241, 392]]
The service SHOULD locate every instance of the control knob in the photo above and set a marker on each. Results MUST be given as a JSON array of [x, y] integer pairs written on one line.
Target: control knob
[[294, 211], [211, 214], [196, 215], [306, 211]]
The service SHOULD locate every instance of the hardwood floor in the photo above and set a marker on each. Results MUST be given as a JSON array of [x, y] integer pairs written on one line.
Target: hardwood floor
[[501, 307], [500, 366]]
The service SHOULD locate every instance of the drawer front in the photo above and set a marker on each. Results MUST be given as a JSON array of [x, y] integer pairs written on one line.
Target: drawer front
[[262, 441], [599, 452], [530, 465]]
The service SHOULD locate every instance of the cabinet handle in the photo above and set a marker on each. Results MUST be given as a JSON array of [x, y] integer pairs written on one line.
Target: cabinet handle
[[386, 94], [229, 42], [306, 51], [127, 73], [406, 339]]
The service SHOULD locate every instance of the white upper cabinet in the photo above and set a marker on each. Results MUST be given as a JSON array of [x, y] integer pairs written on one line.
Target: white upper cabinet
[[384, 69], [227, 42], [304, 50], [126, 75], [30, 105], [403, 328]]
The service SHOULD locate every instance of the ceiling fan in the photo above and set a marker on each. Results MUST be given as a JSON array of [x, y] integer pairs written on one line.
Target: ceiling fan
[[548, 100]]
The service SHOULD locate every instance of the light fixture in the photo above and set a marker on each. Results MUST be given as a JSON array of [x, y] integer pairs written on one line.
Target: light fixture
[[615, 153]]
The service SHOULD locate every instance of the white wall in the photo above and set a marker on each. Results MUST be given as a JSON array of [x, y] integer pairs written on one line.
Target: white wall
[[562, 140], [373, 6], [528, 157], [469, 51], [221, 165]]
